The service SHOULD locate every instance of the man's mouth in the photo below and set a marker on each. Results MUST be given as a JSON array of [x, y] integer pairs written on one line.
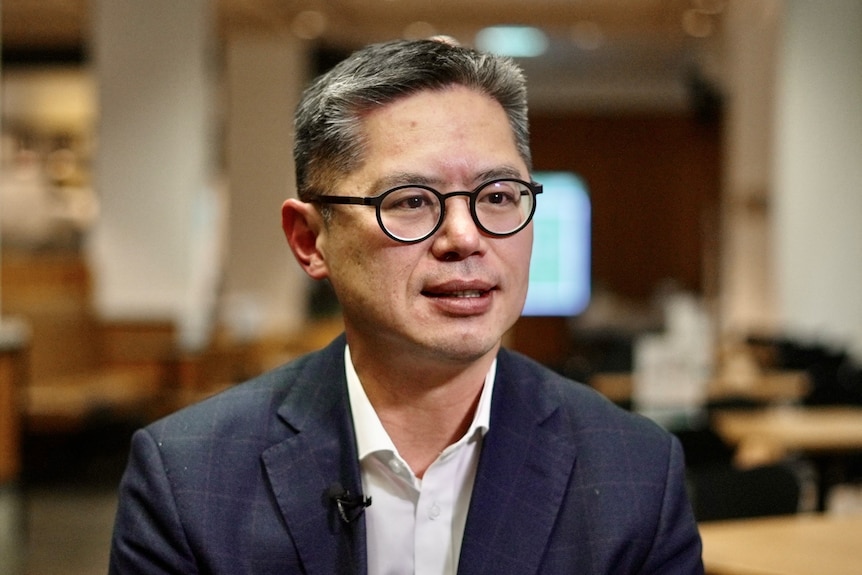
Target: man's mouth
[[462, 293]]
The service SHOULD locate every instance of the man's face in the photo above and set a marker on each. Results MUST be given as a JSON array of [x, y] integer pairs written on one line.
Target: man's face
[[451, 296]]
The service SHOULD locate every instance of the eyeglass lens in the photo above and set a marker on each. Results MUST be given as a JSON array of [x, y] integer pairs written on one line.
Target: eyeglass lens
[[500, 207]]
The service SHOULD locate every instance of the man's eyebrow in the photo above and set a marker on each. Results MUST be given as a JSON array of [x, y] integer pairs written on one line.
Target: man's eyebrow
[[499, 172], [402, 178]]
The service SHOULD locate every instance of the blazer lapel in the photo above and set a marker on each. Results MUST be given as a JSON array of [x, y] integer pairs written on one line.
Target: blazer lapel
[[522, 476], [319, 452]]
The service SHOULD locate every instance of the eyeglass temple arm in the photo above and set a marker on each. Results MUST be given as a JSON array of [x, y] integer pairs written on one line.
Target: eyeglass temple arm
[[345, 200]]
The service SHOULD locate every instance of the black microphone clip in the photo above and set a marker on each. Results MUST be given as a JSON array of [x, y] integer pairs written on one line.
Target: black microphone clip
[[349, 506]]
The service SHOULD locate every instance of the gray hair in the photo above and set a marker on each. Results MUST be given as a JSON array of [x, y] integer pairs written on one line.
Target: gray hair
[[329, 138]]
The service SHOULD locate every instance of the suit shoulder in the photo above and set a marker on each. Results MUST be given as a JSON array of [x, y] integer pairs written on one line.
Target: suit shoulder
[[582, 405]]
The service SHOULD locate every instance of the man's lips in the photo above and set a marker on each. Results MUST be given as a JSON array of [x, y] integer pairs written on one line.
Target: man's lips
[[462, 293], [461, 298], [458, 290]]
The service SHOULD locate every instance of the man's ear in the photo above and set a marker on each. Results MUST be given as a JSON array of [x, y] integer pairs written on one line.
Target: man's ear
[[302, 225]]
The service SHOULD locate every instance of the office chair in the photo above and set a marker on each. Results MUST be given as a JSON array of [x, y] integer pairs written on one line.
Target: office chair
[[725, 492]]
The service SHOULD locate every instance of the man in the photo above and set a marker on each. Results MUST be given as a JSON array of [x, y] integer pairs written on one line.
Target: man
[[413, 443]]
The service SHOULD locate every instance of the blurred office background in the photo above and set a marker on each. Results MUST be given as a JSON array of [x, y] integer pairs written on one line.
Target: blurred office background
[[146, 150]]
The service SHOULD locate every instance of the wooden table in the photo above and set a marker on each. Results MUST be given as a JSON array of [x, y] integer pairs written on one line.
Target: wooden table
[[65, 403], [764, 435], [792, 545], [768, 387], [794, 429], [14, 339], [824, 434]]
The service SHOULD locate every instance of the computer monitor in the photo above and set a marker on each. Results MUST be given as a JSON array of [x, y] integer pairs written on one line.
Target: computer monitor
[[560, 268]]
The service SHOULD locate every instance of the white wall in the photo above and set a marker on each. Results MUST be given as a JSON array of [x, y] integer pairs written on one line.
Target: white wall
[[747, 294], [153, 168], [265, 290], [818, 172]]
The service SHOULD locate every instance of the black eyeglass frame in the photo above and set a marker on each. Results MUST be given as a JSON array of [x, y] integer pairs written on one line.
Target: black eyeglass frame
[[376, 201]]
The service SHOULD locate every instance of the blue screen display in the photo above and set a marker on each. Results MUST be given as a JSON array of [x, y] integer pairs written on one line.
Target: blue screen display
[[560, 268]]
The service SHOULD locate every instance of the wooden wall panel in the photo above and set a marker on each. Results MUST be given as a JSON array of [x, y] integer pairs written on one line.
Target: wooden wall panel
[[654, 185]]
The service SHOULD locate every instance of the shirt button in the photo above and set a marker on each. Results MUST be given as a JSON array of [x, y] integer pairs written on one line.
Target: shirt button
[[396, 466], [434, 513]]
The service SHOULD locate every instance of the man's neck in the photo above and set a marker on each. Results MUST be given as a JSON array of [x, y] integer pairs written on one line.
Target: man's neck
[[424, 407]]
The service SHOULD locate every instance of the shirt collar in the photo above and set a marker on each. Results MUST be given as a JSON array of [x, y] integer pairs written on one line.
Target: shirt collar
[[371, 437]]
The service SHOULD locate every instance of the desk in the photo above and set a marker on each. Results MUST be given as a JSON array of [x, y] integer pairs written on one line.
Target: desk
[[14, 339], [768, 387], [793, 545], [64, 403], [810, 430], [822, 433]]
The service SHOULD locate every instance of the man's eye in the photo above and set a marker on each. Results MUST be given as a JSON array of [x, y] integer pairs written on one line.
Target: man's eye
[[409, 201], [414, 202], [500, 198]]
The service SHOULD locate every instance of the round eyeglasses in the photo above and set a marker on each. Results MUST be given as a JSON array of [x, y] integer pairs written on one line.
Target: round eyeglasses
[[414, 212]]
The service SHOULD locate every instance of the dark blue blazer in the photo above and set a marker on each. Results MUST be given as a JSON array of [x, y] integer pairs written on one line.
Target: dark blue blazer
[[567, 483]]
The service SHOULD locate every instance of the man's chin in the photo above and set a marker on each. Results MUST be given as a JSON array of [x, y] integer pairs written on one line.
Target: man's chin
[[463, 348]]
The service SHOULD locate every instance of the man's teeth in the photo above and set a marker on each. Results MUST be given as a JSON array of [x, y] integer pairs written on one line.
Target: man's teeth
[[467, 293]]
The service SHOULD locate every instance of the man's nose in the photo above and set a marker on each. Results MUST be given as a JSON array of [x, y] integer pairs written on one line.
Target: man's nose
[[458, 234]]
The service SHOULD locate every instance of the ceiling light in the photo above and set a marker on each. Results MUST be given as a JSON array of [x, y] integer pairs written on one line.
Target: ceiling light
[[419, 29], [697, 24], [710, 6], [514, 41], [309, 24], [587, 35]]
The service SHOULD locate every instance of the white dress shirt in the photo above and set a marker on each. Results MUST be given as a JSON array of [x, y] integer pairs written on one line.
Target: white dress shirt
[[415, 525]]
